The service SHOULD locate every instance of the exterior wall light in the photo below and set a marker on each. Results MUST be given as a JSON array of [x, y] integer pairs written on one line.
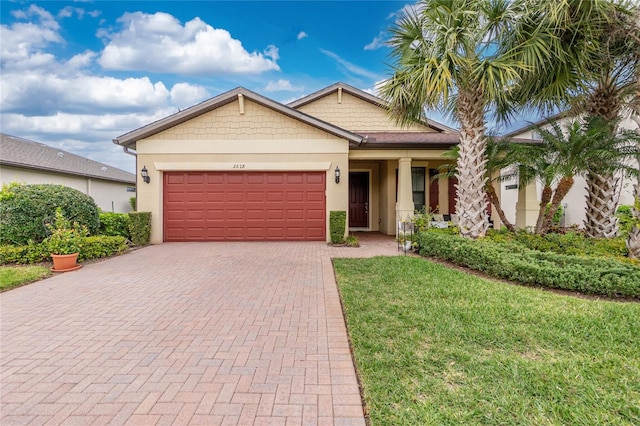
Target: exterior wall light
[[145, 174], [337, 174]]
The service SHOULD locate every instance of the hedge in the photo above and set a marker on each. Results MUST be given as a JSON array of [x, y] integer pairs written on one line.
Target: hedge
[[114, 224], [140, 228], [600, 276], [337, 225], [90, 248]]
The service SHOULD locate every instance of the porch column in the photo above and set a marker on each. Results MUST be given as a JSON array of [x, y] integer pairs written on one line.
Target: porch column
[[527, 206], [404, 205]]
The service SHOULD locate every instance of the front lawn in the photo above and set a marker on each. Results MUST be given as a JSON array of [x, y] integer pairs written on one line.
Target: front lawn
[[436, 346], [14, 276]]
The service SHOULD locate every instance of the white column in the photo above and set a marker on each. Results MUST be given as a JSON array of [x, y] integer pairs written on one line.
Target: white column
[[404, 205], [528, 206]]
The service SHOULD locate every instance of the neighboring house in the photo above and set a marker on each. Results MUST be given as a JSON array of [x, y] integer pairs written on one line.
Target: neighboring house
[[574, 203], [241, 166], [30, 162]]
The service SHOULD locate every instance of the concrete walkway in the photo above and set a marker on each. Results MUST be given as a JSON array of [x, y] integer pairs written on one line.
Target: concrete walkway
[[184, 333]]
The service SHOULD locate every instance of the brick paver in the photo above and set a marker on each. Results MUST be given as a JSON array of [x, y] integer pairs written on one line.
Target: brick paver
[[184, 333]]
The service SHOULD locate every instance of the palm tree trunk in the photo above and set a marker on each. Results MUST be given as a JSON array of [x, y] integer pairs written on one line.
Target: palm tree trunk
[[493, 197], [564, 186], [547, 192], [633, 241], [602, 191], [471, 205]]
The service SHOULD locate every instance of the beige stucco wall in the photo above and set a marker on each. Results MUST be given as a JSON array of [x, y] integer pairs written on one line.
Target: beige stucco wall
[[355, 114], [574, 202], [258, 140], [109, 196]]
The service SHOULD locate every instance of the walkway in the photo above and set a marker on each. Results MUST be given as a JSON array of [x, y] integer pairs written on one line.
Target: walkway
[[184, 333]]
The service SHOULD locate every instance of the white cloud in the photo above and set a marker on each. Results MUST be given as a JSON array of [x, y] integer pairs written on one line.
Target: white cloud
[[377, 42], [302, 35], [69, 11], [281, 86], [152, 42], [184, 95], [351, 67], [60, 102]]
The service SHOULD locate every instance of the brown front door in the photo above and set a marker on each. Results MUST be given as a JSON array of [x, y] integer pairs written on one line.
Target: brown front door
[[359, 199]]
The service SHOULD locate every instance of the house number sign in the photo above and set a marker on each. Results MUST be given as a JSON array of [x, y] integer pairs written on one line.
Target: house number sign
[[239, 165]]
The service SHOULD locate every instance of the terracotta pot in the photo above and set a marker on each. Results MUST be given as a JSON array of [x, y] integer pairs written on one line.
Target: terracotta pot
[[65, 262]]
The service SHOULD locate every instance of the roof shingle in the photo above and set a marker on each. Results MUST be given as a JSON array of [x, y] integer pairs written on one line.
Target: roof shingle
[[19, 152]]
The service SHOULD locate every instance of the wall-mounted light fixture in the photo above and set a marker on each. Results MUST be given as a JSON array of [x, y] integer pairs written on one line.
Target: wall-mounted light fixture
[[145, 174], [337, 174]]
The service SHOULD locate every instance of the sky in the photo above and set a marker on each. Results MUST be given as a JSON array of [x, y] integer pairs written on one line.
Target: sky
[[77, 74]]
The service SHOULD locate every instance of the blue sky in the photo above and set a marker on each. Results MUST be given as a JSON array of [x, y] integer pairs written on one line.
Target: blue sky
[[77, 74]]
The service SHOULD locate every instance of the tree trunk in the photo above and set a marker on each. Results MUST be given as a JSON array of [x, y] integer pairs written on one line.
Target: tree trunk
[[633, 241], [565, 184], [602, 192], [493, 197], [547, 192], [471, 205], [602, 189]]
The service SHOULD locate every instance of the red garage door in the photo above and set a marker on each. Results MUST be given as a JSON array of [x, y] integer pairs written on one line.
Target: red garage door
[[216, 206]]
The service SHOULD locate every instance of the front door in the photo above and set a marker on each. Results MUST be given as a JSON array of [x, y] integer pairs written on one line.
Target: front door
[[359, 199]]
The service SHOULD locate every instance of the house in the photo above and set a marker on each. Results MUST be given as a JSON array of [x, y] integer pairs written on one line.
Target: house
[[241, 166], [30, 162], [527, 200]]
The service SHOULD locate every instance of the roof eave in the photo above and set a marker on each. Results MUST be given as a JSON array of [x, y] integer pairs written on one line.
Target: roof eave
[[130, 139]]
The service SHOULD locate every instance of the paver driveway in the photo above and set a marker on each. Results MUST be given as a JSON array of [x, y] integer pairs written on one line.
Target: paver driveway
[[184, 333]]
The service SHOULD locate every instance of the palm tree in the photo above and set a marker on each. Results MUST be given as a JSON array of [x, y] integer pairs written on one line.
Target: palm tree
[[595, 51], [499, 154], [448, 54], [568, 151]]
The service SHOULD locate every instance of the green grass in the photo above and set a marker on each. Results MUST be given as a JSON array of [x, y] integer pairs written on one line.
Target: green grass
[[14, 276], [436, 346]]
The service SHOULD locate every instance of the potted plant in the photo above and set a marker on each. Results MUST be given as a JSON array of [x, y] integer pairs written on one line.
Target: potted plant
[[64, 243]]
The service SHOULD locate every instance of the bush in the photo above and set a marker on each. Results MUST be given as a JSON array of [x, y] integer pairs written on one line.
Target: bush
[[26, 209], [133, 203], [337, 226], [515, 262], [102, 246], [140, 228], [114, 224], [89, 247], [625, 220], [573, 242]]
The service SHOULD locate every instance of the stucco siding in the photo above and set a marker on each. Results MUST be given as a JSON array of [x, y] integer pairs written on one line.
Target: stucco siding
[[108, 195], [257, 122], [355, 114]]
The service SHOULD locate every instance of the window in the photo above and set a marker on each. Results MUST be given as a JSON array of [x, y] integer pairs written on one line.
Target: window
[[418, 177]]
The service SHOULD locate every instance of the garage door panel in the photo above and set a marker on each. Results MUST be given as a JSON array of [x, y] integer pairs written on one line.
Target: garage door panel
[[216, 206]]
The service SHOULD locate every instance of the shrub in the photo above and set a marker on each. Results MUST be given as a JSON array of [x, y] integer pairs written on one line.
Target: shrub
[[114, 224], [337, 226], [102, 246], [573, 242], [140, 228], [515, 262], [133, 203], [89, 247], [26, 209], [65, 238], [625, 220]]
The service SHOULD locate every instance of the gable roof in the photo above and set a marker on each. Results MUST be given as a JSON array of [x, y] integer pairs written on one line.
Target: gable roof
[[19, 152], [128, 140], [361, 94]]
